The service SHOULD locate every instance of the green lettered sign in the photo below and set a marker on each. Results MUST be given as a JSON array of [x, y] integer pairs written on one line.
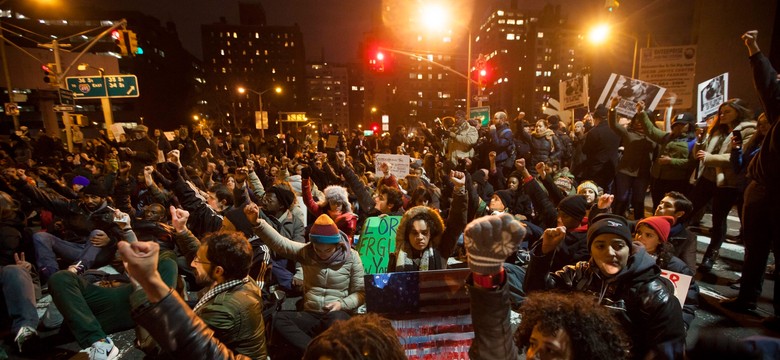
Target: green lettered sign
[[377, 242], [481, 113]]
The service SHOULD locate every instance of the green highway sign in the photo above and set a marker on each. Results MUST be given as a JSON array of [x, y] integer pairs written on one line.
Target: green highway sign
[[481, 113], [92, 87]]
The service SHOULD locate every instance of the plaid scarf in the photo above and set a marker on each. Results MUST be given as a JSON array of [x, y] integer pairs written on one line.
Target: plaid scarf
[[218, 290]]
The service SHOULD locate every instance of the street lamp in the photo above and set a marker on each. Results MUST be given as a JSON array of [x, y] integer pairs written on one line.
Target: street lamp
[[435, 17], [105, 101], [277, 89], [599, 35]]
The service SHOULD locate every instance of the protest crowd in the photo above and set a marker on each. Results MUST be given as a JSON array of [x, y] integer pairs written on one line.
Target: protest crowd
[[196, 242]]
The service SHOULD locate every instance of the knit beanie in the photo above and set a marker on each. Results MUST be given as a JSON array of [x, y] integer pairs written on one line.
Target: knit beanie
[[574, 205], [660, 224], [324, 231], [80, 180], [505, 196], [285, 197], [587, 184], [609, 224]]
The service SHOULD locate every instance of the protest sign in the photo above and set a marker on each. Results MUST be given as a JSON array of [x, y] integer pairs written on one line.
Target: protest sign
[[631, 91], [711, 94], [377, 242], [573, 92], [673, 68], [681, 284], [399, 164]]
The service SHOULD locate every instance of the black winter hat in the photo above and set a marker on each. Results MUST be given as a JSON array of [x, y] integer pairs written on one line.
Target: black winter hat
[[574, 205], [285, 197], [95, 190], [505, 196], [609, 224]]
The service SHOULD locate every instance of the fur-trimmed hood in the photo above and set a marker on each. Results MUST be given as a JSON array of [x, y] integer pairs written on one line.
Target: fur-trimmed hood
[[338, 193], [436, 224]]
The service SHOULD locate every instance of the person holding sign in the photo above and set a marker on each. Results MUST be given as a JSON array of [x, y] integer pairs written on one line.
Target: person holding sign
[[422, 240], [653, 233], [625, 278]]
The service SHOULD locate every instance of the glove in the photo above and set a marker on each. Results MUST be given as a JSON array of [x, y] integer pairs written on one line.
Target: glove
[[305, 172], [490, 240]]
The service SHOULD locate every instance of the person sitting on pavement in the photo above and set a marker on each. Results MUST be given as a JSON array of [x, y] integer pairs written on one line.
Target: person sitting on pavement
[[653, 233], [625, 278], [423, 242], [678, 206], [560, 326], [332, 277], [90, 233]]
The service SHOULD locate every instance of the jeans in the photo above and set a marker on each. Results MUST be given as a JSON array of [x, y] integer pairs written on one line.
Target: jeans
[[91, 311], [19, 297], [299, 327], [760, 235], [723, 199], [48, 247], [636, 187]]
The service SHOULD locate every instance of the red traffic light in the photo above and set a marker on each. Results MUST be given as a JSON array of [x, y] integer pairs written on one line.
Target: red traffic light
[[483, 73], [380, 56], [116, 34]]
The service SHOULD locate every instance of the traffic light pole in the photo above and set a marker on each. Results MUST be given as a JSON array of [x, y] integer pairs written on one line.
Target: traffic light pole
[[65, 115], [468, 81], [7, 76]]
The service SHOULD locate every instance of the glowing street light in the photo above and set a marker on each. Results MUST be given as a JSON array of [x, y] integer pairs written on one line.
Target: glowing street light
[[599, 35], [435, 15], [276, 89]]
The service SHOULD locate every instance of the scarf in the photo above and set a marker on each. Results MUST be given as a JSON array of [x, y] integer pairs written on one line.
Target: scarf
[[405, 263], [547, 134], [213, 292], [338, 257]]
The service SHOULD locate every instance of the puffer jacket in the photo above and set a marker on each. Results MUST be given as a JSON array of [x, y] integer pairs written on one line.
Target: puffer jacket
[[322, 283], [180, 332], [462, 144], [716, 166], [644, 301], [236, 316]]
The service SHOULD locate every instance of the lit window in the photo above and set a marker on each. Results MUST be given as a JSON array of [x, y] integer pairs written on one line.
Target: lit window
[[500, 12], [419, 38], [257, 52], [519, 68], [540, 35], [420, 94], [419, 76], [224, 71], [439, 76], [412, 76], [502, 21], [446, 39], [273, 70], [265, 52], [519, 22], [235, 35], [538, 73], [556, 66], [510, 21], [354, 88], [222, 51], [510, 36], [257, 35]]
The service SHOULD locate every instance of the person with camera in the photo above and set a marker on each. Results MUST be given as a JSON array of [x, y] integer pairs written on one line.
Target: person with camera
[[460, 139]]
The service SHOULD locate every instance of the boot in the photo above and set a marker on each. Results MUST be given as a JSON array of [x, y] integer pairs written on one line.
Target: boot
[[709, 259]]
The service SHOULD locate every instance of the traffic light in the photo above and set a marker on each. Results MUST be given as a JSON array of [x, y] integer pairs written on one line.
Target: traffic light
[[121, 41], [50, 74], [132, 43], [377, 61], [611, 5]]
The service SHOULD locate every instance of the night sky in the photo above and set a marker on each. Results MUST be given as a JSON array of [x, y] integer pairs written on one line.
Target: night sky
[[336, 26]]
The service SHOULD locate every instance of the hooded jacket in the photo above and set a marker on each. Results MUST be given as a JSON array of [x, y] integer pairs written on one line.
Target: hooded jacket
[[346, 221], [643, 301]]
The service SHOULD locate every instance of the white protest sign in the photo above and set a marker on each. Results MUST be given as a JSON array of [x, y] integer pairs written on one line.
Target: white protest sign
[[573, 92], [711, 94], [631, 91], [673, 68], [170, 135], [681, 284], [399, 164], [117, 130]]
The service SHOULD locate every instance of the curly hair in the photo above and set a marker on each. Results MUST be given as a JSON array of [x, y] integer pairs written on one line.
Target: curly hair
[[594, 332], [364, 337]]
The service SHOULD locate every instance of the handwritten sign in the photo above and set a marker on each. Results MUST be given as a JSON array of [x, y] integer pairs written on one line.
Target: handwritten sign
[[377, 242], [681, 284], [399, 164]]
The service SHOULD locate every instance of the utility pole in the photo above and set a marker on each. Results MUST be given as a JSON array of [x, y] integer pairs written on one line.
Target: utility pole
[[7, 76], [60, 78]]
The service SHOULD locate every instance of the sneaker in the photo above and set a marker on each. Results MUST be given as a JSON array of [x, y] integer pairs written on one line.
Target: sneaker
[[102, 350], [25, 337]]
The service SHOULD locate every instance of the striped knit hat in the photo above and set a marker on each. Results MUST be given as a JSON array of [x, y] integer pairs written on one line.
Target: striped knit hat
[[324, 231]]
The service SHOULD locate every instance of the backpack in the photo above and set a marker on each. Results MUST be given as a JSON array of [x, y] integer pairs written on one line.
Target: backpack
[[511, 150]]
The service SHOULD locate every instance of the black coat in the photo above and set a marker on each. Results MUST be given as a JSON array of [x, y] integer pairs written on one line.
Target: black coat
[[601, 154], [642, 300]]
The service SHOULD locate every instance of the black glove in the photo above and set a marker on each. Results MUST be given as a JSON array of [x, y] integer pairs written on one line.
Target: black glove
[[172, 170]]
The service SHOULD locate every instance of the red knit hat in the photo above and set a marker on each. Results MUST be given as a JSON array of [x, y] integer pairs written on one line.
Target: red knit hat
[[660, 224], [324, 231]]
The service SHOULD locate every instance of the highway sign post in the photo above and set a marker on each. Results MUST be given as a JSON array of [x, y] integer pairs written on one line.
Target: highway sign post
[[95, 87], [66, 97]]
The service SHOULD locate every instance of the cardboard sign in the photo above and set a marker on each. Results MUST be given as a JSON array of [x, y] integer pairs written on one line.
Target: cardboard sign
[[377, 242], [631, 91], [169, 135], [332, 142], [711, 94], [399, 164], [573, 92], [681, 284]]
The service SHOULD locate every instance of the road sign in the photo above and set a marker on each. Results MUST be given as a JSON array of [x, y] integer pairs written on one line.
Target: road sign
[[481, 113], [64, 108], [66, 97], [91, 87], [481, 98]]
